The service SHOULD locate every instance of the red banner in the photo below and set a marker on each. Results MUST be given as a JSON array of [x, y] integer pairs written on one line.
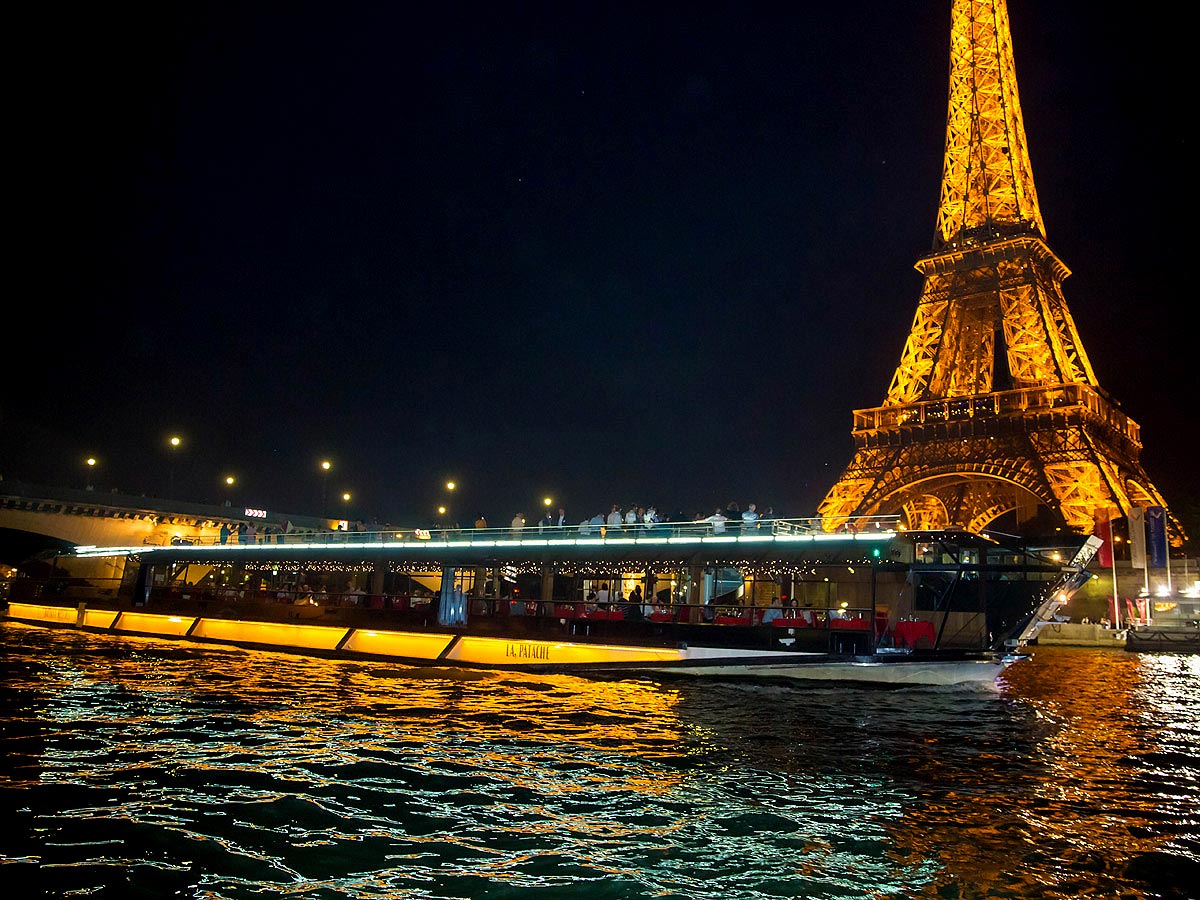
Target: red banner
[[1103, 530]]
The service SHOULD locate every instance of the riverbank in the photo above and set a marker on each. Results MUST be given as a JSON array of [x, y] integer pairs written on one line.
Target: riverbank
[[1080, 634]]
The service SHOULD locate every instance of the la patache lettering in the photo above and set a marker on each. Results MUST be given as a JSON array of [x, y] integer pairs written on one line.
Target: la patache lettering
[[527, 651]]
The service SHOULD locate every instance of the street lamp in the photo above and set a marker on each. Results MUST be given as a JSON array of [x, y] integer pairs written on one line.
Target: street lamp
[[326, 465], [229, 482], [91, 464], [175, 441]]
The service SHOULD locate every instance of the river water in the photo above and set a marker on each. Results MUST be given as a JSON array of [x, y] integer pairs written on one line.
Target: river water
[[140, 768]]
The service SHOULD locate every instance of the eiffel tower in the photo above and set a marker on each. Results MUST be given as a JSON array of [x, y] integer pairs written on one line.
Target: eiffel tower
[[994, 407]]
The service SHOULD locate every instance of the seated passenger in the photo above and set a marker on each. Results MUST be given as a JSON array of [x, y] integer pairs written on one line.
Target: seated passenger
[[773, 612]]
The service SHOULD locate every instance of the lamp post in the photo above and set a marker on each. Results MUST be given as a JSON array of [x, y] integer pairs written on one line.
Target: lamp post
[[451, 487], [326, 465], [346, 508], [90, 462], [229, 482], [175, 442]]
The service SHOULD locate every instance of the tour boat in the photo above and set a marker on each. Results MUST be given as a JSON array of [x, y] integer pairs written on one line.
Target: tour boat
[[782, 600]]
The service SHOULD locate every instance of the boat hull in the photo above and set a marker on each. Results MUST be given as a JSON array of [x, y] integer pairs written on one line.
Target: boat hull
[[881, 672], [520, 653]]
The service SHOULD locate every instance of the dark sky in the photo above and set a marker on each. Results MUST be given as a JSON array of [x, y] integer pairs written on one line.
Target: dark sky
[[613, 253]]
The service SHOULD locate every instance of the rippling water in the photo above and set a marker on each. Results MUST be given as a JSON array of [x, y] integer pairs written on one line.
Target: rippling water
[[140, 768]]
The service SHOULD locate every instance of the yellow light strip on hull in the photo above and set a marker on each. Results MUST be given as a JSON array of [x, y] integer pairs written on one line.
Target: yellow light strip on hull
[[406, 645], [397, 643], [311, 637], [501, 652], [148, 623], [62, 615]]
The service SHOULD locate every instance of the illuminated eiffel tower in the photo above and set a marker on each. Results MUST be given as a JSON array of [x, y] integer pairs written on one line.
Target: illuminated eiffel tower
[[994, 407]]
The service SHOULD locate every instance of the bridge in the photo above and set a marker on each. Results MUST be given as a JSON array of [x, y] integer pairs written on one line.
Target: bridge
[[36, 520]]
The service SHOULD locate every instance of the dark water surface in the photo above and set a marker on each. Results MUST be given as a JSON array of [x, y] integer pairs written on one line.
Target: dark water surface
[[140, 768]]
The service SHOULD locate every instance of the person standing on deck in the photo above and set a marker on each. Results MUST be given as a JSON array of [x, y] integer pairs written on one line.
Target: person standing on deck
[[614, 518], [518, 523], [560, 521], [718, 520], [750, 517], [633, 608]]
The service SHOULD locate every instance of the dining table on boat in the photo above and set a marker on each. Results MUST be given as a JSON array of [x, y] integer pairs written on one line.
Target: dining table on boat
[[908, 632]]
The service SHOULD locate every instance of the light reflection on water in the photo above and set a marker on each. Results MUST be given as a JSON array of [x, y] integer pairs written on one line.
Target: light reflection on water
[[141, 768]]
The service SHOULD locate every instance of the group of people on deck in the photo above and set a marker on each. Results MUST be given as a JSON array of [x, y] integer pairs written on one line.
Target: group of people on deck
[[748, 519], [721, 520]]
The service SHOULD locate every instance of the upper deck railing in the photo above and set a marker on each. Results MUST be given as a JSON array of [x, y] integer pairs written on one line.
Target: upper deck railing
[[584, 534]]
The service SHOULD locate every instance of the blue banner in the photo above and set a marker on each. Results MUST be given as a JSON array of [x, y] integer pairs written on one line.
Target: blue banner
[[1156, 536]]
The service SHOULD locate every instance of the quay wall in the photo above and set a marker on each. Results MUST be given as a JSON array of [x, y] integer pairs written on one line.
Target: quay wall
[[1075, 634]]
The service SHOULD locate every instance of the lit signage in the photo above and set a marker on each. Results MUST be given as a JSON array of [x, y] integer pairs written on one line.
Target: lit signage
[[422, 534], [255, 513]]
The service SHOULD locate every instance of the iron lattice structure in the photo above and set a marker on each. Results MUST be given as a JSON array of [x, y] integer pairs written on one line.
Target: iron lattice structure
[[994, 407]]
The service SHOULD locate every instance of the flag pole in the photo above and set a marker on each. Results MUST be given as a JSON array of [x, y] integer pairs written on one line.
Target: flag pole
[[1116, 599]]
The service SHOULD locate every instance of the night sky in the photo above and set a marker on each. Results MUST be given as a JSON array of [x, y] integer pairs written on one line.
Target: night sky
[[611, 253]]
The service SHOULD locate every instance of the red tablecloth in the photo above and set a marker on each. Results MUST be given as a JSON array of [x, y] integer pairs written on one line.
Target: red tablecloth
[[604, 614], [850, 624], [908, 633], [793, 623], [662, 617], [732, 620]]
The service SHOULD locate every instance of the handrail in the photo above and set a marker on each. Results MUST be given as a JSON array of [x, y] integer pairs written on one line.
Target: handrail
[[765, 529]]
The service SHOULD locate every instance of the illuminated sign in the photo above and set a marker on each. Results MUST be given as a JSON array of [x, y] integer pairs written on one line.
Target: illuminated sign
[[527, 651], [255, 513], [421, 534]]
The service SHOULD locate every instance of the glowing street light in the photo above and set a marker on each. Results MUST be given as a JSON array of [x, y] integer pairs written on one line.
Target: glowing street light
[[90, 462], [175, 442], [326, 465], [450, 485], [547, 501]]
